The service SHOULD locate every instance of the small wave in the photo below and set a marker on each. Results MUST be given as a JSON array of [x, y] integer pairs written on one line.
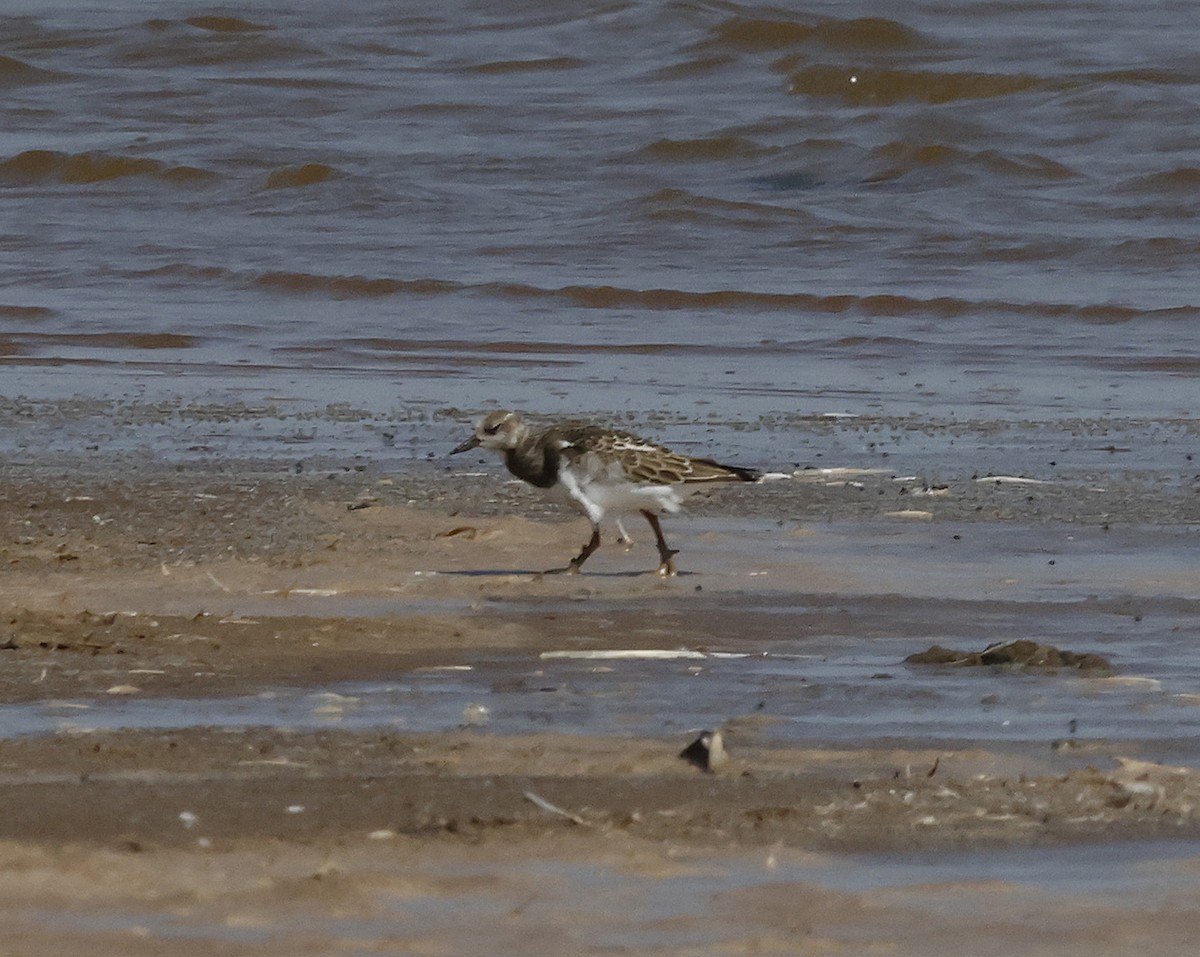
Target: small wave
[[293, 177], [1160, 251], [945, 307], [705, 148], [528, 66], [894, 86], [681, 206], [217, 24], [116, 340], [791, 181], [904, 158], [28, 313], [859, 342], [1175, 365], [616, 297], [34, 166], [754, 33], [860, 34], [690, 69], [866, 34], [165, 45], [620, 297], [185, 272], [501, 347], [15, 72], [1031, 165], [300, 283], [351, 287], [1183, 180]]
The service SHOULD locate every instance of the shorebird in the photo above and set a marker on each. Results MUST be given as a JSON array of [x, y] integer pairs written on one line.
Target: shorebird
[[601, 471]]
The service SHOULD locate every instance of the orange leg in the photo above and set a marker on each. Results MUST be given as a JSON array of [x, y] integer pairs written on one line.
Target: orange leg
[[578, 560], [666, 555]]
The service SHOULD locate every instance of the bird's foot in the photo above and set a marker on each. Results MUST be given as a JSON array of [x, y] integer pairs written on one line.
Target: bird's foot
[[667, 558], [571, 569], [623, 537]]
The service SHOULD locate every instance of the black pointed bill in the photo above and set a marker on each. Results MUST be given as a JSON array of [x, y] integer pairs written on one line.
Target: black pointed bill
[[471, 443]]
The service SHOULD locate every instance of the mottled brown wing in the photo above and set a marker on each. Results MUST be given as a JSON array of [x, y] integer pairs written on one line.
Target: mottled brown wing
[[644, 461], [706, 470]]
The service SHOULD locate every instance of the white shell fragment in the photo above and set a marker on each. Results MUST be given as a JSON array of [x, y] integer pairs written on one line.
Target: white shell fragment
[[647, 654], [913, 514], [840, 472], [545, 805], [476, 715]]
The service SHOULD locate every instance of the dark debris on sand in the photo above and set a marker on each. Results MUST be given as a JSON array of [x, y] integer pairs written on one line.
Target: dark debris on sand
[[1021, 654]]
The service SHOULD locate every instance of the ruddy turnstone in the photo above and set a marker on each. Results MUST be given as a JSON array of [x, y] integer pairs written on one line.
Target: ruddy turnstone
[[601, 471]]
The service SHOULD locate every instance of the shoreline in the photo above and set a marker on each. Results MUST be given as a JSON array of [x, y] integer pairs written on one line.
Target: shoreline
[[299, 628]]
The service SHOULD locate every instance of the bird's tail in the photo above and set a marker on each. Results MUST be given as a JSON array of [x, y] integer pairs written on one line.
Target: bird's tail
[[706, 470]]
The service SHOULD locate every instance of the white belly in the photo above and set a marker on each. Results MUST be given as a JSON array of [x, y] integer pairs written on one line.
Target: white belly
[[599, 495]]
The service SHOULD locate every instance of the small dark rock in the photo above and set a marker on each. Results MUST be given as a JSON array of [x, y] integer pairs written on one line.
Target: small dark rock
[[937, 655], [1022, 654]]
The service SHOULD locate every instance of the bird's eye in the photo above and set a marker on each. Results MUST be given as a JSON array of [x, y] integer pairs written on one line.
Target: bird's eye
[[492, 429]]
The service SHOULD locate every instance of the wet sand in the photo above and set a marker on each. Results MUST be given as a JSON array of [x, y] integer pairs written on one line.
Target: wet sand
[[185, 586]]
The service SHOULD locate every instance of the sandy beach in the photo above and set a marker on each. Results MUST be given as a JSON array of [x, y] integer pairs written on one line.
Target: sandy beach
[[283, 677], [343, 711]]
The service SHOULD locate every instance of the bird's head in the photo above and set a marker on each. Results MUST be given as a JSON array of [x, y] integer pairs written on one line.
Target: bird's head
[[498, 431]]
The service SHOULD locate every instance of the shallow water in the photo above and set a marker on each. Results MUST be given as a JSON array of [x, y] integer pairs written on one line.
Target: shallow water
[[797, 699], [818, 695], [969, 211], [805, 634]]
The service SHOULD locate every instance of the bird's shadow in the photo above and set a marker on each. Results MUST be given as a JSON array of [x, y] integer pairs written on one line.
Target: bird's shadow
[[552, 573]]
